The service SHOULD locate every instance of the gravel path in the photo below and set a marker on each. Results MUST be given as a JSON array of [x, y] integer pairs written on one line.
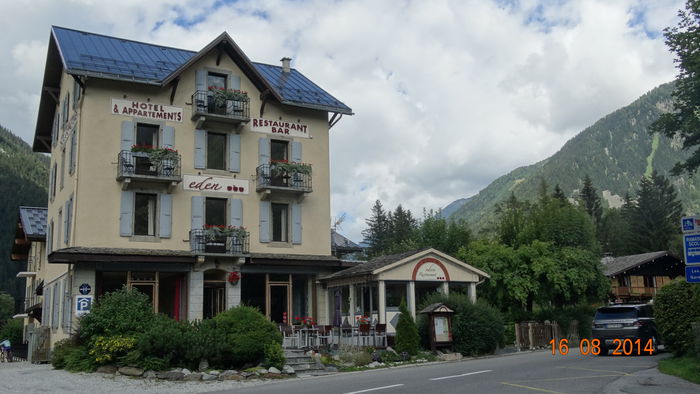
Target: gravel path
[[24, 378]]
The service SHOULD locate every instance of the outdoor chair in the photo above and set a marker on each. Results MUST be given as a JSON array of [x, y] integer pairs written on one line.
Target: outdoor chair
[[380, 335], [289, 337], [364, 335]]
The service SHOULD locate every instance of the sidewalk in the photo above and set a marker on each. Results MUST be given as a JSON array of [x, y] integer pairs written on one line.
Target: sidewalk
[[651, 381]]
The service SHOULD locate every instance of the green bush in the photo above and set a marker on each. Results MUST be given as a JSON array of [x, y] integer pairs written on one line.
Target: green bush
[[12, 330], [236, 337], [508, 334], [122, 312], [107, 350], [169, 341], [60, 352], [476, 328], [360, 359], [274, 356], [78, 359], [676, 306], [407, 338]]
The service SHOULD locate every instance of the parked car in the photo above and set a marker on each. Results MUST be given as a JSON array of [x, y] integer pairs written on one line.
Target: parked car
[[615, 324]]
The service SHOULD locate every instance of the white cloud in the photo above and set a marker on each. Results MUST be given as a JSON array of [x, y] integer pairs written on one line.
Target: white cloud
[[448, 95]]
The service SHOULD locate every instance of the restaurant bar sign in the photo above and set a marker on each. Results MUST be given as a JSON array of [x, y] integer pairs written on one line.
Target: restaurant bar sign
[[279, 127], [197, 183], [146, 110]]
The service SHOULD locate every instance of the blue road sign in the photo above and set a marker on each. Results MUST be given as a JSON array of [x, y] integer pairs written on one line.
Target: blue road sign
[[688, 224], [692, 274], [691, 247], [83, 304], [85, 289]]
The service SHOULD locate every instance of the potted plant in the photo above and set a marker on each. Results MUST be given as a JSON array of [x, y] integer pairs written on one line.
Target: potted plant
[[228, 99], [217, 237], [284, 167], [234, 277]]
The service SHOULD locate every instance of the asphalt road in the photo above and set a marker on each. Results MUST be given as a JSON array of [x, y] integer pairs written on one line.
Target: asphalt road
[[527, 372]]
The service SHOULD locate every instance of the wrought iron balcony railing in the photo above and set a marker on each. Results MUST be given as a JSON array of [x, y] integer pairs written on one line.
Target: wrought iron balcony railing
[[204, 242], [144, 165], [236, 110], [269, 178]]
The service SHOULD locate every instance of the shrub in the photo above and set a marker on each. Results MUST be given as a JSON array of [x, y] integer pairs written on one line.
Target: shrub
[[407, 338], [123, 312], [169, 341], [239, 337], [105, 350], [274, 356], [78, 359], [676, 306], [60, 352], [12, 330], [361, 359], [476, 328]]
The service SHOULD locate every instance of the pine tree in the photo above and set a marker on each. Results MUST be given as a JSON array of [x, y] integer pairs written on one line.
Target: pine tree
[[407, 338], [377, 233], [559, 194], [591, 200], [655, 215]]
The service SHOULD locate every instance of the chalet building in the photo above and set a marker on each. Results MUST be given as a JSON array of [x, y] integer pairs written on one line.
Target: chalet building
[[199, 178], [637, 278]]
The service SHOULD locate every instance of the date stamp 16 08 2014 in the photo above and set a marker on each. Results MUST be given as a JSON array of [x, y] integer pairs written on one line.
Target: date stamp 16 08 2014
[[623, 347]]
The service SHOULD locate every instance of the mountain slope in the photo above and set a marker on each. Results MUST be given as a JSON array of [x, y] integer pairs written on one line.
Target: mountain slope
[[23, 181], [616, 152]]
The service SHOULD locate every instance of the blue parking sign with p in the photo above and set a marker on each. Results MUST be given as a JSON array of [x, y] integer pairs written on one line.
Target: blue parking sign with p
[[83, 304]]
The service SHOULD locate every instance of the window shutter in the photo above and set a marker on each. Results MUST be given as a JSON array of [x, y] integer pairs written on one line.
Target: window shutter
[[52, 180], [197, 218], [296, 151], [45, 305], [55, 305], [235, 211], [166, 209], [54, 129], [168, 140], [264, 221], [234, 82], [126, 216], [200, 143], [76, 93], [49, 238], [200, 80], [264, 151], [73, 147], [234, 152], [127, 135], [68, 211], [66, 306], [296, 223]]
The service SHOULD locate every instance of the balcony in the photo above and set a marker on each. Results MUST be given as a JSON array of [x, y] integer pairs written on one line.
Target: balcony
[[32, 302], [206, 108], [290, 178], [30, 272], [148, 167], [633, 292], [207, 242]]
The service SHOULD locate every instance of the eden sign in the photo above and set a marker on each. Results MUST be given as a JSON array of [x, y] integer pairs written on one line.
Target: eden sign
[[211, 184]]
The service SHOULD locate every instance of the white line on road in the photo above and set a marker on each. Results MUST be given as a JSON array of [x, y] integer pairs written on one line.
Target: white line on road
[[375, 389], [464, 374]]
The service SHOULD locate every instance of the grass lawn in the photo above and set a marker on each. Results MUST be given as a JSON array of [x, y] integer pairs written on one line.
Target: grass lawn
[[687, 367]]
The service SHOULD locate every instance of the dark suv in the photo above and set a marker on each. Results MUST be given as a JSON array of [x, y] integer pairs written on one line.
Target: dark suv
[[625, 321]]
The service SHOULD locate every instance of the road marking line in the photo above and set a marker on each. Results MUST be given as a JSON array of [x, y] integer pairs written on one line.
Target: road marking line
[[568, 378], [532, 388], [595, 370], [375, 389], [459, 376]]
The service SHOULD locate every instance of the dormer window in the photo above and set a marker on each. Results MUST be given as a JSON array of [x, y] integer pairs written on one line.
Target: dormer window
[[216, 80]]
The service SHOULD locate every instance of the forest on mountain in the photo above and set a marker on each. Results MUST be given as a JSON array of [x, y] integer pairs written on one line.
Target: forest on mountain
[[24, 180]]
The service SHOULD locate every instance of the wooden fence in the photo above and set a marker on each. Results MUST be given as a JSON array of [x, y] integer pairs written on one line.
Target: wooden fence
[[534, 335]]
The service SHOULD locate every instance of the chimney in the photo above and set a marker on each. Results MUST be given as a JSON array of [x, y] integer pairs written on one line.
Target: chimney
[[285, 64]]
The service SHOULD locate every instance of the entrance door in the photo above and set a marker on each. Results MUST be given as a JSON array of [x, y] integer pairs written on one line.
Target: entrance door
[[279, 304]]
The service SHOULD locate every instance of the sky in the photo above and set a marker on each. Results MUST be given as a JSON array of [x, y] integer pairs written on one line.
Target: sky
[[447, 95]]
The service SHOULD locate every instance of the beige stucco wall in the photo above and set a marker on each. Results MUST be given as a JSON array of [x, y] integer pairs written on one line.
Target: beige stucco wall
[[97, 211]]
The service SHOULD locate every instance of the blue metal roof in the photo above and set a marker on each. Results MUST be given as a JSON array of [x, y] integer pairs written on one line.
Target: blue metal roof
[[95, 54], [294, 87], [33, 221], [115, 58]]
